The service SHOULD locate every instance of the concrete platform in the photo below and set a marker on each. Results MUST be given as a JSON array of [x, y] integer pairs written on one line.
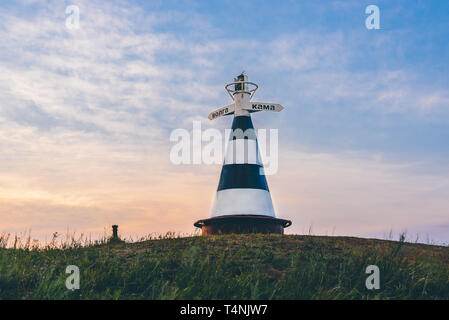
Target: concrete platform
[[242, 224]]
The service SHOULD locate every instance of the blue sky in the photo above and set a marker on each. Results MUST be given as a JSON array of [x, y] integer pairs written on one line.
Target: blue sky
[[85, 115], [411, 40]]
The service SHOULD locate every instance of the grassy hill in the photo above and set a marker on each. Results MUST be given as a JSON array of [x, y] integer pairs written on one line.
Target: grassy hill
[[229, 267]]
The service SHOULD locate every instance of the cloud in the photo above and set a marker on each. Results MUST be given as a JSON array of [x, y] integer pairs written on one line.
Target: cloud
[[358, 194], [85, 118]]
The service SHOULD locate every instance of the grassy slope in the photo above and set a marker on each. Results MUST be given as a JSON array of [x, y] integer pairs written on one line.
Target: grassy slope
[[230, 267]]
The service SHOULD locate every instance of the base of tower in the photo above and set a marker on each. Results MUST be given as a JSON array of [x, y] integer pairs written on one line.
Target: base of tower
[[242, 224]]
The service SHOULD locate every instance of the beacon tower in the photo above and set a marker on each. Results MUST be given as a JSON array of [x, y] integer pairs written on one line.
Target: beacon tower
[[243, 202]]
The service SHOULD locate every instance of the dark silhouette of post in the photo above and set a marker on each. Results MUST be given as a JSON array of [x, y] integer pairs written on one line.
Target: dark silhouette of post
[[114, 232]]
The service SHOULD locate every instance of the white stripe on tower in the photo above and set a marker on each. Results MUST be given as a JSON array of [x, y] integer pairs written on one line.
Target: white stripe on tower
[[243, 202], [242, 151]]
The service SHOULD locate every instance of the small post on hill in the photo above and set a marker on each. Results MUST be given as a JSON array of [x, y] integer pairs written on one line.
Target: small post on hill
[[114, 232]]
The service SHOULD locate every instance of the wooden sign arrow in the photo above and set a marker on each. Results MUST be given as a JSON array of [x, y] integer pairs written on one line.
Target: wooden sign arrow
[[263, 106], [223, 111]]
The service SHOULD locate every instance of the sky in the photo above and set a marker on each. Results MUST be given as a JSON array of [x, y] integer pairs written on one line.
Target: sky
[[86, 114]]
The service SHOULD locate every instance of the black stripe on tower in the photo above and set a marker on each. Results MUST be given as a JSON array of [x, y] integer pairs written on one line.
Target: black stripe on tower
[[242, 128], [242, 176]]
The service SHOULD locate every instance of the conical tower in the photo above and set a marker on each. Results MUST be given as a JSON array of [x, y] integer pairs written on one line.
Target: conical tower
[[243, 202]]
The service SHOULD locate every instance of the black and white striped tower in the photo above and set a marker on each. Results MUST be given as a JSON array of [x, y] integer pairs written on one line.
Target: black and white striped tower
[[243, 201]]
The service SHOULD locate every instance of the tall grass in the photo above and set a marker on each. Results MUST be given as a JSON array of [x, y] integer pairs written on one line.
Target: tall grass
[[223, 267]]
